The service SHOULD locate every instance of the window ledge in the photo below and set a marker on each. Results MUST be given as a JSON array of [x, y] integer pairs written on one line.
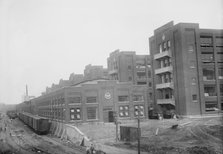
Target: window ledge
[[92, 119], [74, 104], [123, 102], [139, 101], [93, 103]]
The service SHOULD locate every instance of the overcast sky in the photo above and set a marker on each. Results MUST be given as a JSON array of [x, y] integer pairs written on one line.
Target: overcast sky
[[42, 41]]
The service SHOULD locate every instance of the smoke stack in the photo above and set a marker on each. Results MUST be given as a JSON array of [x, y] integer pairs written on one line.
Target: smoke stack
[[27, 91]]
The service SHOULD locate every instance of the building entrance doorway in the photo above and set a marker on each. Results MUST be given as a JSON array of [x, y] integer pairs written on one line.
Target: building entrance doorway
[[108, 115]]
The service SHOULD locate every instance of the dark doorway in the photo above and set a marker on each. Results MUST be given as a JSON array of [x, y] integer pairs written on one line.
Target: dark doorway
[[110, 116]]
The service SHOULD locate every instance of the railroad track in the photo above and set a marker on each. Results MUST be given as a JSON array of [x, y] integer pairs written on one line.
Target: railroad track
[[24, 145], [44, 144]]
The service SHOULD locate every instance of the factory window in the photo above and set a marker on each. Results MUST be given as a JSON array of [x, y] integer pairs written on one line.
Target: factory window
[[211, 106], [219, 49], [206, 41], [167, 62], [168, 44], [193, 81], [220, 73], [150, 84], [123, 98], [209, 73], [75, 114], [192, 64], [210, 90], [124, 111], [221, 89], [138, 98], [92, 113], [190, 48], [150, 96], [219, 41], [171, 77], [149, 65], [74, 100], [194, 97], [160, 48], [138, 110], [141, 83], [92, 99], [164, 46], [130, 78]]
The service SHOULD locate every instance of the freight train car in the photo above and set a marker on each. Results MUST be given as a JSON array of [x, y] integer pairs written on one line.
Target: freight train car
[[11, 114], [39, 124]]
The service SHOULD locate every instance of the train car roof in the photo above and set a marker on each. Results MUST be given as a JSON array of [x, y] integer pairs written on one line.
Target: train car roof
[[33, 116]]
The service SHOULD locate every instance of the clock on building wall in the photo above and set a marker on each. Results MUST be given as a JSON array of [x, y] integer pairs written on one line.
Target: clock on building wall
[[107, 95]]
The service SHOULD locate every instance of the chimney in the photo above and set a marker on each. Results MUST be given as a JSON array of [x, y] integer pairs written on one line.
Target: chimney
[[27, 91]]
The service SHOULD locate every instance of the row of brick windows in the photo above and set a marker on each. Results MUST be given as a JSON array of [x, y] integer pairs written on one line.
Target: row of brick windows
[[123, 98], [207, 41], [92, 112], [75, 113], [124, 110], [55, 113]]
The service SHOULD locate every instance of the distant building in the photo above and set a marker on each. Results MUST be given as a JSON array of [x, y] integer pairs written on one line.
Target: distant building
[[76, 78], [91, 101], [73, 79], [95, 72], [126, 66], [187, 64]]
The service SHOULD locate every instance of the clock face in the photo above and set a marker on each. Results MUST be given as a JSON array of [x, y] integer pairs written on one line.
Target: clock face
[[107, 95]]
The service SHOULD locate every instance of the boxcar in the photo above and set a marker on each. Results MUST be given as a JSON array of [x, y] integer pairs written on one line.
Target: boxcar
[[39, 124], [11, 114]]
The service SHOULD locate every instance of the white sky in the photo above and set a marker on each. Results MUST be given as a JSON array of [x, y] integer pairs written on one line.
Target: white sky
[[42, 41]]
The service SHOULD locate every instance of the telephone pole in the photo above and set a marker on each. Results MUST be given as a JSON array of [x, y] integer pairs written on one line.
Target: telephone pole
[[139, 133]]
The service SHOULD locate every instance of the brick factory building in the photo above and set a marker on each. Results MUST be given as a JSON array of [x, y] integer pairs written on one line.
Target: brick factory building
[[126, 66], [187, 69], [91, 72], [91, 101], [95, 72]]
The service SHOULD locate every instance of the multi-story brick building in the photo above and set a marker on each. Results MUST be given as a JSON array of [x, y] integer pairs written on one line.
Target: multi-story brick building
[[187, 69], [126, 66], [76, 78], [95, 72], [91, 101]]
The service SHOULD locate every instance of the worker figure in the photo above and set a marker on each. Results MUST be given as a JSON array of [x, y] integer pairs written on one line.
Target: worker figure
[[90, 150]]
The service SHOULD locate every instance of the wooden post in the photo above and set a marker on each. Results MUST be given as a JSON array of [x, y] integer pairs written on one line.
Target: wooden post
[[139, 134]]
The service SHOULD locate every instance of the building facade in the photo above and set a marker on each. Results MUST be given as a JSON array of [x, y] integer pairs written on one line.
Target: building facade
[[126, 66], [95, 72], [187, 68], [91, 101]]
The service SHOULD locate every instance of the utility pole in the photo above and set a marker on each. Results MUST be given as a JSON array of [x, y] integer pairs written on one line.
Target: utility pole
[[116, 125], [139, 134]]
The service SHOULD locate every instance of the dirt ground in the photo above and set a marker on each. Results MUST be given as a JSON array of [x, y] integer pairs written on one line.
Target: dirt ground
[[19, 139], [198, 135]]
